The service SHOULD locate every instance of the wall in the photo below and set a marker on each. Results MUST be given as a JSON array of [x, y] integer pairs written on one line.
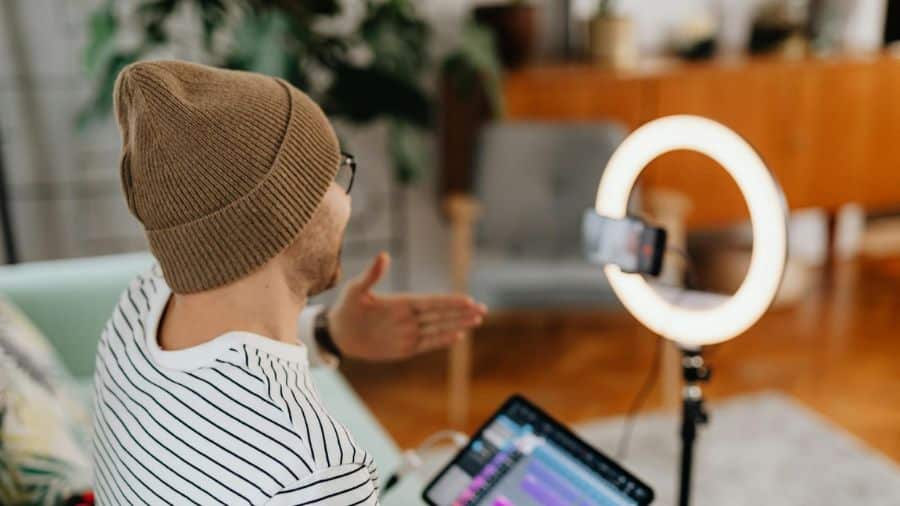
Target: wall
[[57, 182]]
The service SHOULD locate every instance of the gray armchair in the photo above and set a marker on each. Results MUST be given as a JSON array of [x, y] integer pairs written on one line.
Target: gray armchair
[[533, 182], [516, 240]]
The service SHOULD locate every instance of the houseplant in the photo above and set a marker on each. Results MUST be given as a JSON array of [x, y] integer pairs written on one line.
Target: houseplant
[[384, 53]]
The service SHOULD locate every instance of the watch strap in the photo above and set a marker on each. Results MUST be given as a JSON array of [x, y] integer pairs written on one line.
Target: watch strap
[[322, 334]]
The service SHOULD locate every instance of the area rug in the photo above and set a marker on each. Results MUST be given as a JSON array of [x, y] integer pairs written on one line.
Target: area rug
[[762, 449]]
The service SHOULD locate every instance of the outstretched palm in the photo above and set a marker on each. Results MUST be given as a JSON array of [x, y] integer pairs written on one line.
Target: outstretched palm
[[370, 326]]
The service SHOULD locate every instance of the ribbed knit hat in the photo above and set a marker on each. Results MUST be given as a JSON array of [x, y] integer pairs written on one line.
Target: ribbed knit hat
[[223, 168]]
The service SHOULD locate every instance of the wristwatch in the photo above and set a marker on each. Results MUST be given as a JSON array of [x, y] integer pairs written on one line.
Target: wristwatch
[[322, 334]]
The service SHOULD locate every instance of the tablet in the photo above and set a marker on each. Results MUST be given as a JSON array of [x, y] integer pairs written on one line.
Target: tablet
[[523, 457]]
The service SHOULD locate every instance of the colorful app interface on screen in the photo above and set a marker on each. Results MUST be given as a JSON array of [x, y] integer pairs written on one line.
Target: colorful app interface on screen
[[518, 460]]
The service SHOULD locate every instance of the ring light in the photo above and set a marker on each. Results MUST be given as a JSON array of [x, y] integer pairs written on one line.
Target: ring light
[[694, 327]]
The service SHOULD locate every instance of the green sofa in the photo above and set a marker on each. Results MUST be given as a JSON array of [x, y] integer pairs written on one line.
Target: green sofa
[[70, 301]]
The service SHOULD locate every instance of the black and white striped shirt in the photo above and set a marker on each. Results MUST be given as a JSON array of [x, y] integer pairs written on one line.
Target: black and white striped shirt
[[235, 420]]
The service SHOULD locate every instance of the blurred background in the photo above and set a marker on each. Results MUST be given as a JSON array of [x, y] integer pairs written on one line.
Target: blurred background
[[481, 130]]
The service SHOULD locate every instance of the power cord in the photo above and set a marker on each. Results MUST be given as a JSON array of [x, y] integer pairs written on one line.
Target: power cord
[[411, 460], [638, 401], [653, 374]]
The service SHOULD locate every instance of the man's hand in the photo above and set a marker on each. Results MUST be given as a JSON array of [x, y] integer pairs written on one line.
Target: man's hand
[[368, 326]]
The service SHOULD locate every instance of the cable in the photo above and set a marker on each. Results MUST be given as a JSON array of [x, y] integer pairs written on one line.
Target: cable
[[653, 373], [412, 459], [638, 401]]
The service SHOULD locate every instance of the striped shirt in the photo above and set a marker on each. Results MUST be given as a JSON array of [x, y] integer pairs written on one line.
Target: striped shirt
[[235, 420]]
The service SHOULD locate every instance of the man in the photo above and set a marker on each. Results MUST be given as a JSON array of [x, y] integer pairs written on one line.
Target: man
[[202, 390]]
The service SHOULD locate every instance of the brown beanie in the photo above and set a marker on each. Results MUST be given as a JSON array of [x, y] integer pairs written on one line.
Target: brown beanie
[[223, 168]]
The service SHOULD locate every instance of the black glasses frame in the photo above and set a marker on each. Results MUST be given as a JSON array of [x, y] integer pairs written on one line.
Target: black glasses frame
[[348, 160]]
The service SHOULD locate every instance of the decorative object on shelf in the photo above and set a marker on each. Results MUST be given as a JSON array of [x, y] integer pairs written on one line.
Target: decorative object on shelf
[[342, 59], [611, 38], [891, 23], [781, 27], [695, 39], [825, 26], [514, 27]]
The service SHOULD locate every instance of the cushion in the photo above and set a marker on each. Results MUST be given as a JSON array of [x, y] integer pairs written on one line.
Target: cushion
[[44, 451], [515, 283]]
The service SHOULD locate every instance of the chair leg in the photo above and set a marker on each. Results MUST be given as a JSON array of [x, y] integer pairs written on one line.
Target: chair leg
[[463, 212], [460, 383]]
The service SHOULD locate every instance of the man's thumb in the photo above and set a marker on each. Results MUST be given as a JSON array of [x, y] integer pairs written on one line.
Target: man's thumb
[[375, 272]]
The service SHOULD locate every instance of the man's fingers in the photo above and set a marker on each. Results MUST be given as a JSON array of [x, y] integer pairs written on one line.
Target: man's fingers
[[449, 314], [445, 326], [424, 303], [365, 281], [438, 341]]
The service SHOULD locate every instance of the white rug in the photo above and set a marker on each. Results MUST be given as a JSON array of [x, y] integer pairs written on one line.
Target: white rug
[[762, 449]]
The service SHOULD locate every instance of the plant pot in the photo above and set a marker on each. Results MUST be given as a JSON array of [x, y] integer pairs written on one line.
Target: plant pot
[[514, 30], [611, 42]]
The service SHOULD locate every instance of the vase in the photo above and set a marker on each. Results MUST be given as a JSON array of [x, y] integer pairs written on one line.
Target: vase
[[612, 43], [513, 26]]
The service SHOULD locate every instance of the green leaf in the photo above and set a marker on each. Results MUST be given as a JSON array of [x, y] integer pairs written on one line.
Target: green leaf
[[212, 16], [323, 7], [153, 16], [397, 36], [364, 94], [300, 9], [476, 63], [408, 148], [100, 104], [156, 9], [102, 27], [260, 43]]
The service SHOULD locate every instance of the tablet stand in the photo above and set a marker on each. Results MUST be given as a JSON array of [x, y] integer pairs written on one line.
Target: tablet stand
[[693, 414]]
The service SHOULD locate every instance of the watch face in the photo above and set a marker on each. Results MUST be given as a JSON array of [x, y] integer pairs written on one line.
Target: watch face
[[321, 320]]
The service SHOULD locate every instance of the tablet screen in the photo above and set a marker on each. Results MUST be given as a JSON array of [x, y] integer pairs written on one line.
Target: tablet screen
[[522, 457]]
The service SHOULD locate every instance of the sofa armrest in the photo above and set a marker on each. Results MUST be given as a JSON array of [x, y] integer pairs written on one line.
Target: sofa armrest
[[71, 300]]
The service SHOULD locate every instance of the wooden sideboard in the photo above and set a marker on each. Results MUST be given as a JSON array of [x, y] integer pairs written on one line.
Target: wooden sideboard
[[829, 129]]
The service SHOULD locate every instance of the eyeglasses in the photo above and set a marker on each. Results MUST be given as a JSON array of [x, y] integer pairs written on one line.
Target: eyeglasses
[[346, 172]]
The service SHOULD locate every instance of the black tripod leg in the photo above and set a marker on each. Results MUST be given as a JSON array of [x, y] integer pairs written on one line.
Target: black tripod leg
[[688, 435]]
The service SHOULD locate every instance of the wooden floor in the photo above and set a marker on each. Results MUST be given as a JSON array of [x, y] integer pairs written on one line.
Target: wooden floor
[[837, 352]]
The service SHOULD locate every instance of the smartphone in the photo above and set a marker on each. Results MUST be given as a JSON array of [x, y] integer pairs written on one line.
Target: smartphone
[[632, 244]]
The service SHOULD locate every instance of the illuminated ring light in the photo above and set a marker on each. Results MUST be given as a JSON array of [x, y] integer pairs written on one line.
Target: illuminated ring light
[[690, 326]]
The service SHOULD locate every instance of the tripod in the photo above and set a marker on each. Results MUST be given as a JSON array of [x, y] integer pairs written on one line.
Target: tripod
[[693, 414]]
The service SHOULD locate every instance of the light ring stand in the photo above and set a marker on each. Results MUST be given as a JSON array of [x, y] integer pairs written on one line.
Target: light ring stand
[[692, 328], [688, 326]]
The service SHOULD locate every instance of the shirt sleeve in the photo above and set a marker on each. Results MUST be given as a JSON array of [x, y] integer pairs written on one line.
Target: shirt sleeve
[[345, 485], [306, 328]]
